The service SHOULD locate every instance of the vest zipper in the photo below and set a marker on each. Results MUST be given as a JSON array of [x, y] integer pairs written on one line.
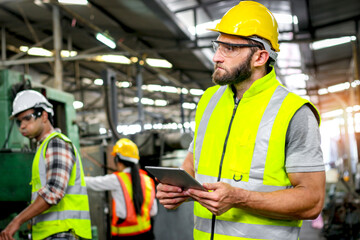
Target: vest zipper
[[236, 101]]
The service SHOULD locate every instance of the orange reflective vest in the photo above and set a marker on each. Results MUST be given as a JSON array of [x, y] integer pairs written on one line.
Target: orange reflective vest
[[134, 224]]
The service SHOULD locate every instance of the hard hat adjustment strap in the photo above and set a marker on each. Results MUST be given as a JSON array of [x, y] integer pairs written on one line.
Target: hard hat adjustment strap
[[272, 53]]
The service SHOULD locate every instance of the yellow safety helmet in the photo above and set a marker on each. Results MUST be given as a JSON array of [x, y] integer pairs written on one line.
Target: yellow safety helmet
[[253, 20], [126, 150]]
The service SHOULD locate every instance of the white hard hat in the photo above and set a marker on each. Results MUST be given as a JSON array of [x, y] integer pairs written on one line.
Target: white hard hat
[[28, 99]]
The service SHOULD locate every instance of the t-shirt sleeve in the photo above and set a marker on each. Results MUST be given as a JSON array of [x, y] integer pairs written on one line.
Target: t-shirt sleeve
[[302, 151], [191, 147]]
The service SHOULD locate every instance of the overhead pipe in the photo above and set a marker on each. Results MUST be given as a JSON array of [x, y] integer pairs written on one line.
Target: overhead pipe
[[3, 44], [139, 83], [57, 48]]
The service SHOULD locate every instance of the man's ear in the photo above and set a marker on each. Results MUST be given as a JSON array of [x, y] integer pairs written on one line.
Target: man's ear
[[260, 58], [44, 116]]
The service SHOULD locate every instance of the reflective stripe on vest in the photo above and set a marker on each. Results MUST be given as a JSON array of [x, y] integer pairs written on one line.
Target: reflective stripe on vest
[[72, 212], [134, 224], [252, 231], [273, 111]]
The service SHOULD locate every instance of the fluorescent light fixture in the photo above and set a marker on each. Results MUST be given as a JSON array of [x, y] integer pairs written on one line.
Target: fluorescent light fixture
[[184, 91], [196, 92], [188, 105], [106, 40], [161, 63], [123, 84], [74, 2], [145, 101], [113, 59], [98, 82], [331, 42], [153, 87], [323, 91], [339, 87], [87, 81], [169, 89], [36, 51], [160, 102], [78, 104], [67, 53]]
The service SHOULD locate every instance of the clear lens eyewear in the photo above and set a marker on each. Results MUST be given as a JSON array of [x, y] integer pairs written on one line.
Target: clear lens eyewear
[[230, 49], [26, 119]]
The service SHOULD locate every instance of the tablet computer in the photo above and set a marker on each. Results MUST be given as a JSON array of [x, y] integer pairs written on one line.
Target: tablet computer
[[175, 176]]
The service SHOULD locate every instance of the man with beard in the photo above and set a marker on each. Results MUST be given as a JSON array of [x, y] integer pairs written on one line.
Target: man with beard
[[256, 147], [59, 206]]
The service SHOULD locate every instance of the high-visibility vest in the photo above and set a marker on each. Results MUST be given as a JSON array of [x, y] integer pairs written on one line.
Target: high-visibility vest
[[134, 224], [244, 146], [72, 212]]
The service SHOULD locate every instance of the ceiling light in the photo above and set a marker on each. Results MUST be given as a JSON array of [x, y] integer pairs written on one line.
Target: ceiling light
[[188, 105], [339, 87], [98, 82], [331, 42], [36, 51], [323, 91], [123, 84], [74, 2], [169, 89], [160, 102], [113, 59], [67, 53], [106, 40], [196, 92], [78, 104], [162, 63], [87, 81]]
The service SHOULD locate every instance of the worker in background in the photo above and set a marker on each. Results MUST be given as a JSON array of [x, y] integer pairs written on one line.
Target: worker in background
[[59, 206], [133, 193], [256, 147]]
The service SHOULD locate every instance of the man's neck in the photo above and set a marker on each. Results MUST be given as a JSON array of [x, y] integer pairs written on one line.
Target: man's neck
[[48, 128], [243, 86]]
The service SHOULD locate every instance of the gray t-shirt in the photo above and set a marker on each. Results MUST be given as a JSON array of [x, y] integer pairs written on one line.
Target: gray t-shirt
[[302, 150]]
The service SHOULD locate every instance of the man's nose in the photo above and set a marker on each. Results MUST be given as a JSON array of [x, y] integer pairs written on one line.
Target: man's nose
[[218, 57]]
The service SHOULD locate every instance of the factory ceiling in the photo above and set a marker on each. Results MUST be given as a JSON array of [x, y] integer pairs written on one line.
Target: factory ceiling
[[164, 29]]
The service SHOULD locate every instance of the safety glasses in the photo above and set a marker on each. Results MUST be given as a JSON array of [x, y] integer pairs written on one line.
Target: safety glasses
[[26, 119], [230, 49]]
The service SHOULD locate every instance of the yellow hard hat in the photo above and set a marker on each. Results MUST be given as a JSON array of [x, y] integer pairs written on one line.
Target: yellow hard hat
[[248, 19], [126, 150]]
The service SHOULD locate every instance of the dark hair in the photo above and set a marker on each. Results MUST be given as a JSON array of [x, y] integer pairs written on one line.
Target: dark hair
[[138, 197], [38, 112], [268, 67]]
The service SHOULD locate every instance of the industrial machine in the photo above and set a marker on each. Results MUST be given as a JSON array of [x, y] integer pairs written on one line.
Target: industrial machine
[[17, 152]]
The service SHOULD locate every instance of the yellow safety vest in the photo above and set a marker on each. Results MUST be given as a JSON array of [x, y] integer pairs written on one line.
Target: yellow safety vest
[[244, 146], [134, 224], [72, 212]]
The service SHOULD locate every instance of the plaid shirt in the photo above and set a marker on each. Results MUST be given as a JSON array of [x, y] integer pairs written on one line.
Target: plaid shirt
[[59, 161]]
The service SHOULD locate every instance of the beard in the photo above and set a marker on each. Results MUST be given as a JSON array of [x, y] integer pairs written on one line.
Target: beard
[[234, 75]]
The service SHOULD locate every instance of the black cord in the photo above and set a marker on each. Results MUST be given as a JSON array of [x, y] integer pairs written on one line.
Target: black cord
[[8, 135]]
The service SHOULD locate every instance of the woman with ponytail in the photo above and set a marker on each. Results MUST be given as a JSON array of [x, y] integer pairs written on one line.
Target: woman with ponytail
[[133, 194]]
